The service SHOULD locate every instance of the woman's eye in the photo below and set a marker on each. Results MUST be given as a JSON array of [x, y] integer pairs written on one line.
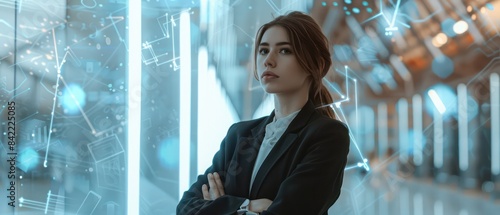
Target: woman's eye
[[285, 51], [263, 51]]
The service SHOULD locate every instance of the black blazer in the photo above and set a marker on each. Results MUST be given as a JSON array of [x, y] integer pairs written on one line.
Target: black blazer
[[302, 174]]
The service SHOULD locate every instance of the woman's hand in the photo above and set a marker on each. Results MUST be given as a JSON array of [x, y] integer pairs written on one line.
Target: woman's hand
[[216, 187], [259, 205]]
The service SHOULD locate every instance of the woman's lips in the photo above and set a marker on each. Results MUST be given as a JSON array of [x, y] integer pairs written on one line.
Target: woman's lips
[[269, 75]]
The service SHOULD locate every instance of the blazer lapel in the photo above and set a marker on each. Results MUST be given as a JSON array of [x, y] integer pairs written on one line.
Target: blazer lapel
[[282, 145], [248, 150]]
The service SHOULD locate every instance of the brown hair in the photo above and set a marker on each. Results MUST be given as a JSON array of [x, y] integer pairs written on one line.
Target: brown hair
[[311, 49]]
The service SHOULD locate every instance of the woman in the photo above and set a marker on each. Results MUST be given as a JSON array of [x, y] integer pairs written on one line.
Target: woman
[[292, 161]]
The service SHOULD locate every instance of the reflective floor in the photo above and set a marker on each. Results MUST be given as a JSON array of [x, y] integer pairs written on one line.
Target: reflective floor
[[362, 194], [386, 194]]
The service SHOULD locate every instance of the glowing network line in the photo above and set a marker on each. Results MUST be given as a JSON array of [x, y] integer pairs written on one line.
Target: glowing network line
[[48, 200], [337, 104], [55, 99], [69, 52], [12, 5], [43, 206], [274, 6], [6, 23], [112, 18], [167, 29], [391, 22]]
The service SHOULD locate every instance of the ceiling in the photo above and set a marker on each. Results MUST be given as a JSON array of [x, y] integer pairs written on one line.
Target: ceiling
[[389, 64]]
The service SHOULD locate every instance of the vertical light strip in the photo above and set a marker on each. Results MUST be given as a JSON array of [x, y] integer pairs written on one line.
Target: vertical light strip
[[203, 15], [438, 139], [404, 208], [417, 129], [203, 104], [418, 204], [495, 123], [463, 131], [185, 103], [134, 106], [382, 128], [358, 126], [403, 129], [438, 208]]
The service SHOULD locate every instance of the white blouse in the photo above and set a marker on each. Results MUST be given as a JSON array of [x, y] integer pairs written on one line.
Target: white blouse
[[274, 130]]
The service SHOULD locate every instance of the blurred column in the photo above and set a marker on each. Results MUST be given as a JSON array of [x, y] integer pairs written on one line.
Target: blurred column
[[418, 135], [465, 141], [495, 132], [382, 129]]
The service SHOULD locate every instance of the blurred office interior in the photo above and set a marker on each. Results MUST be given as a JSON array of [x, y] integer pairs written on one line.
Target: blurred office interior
[[121, 104]]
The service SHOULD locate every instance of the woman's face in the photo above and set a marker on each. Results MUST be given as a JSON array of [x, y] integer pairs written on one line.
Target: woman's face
[[277, 66]]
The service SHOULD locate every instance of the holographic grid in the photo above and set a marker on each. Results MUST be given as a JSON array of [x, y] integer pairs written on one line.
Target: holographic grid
[[68, 60]]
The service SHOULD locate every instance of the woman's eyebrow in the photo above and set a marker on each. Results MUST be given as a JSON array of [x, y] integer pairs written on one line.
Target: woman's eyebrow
[[277, 44]]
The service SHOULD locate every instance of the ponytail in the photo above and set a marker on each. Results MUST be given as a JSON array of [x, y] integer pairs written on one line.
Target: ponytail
[[322, 100]]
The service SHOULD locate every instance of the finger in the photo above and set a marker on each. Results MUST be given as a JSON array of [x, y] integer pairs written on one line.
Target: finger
[[214, 191], [206, 195], [218, 181]]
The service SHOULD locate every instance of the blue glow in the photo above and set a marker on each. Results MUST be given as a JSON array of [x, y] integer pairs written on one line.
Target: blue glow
[[411, 142], [442, 66], [168, 153], [348, 13], [323, 4], [472, 108], [448, 97], [447, 27], [490, 6], [28, 159], [348, 1], [72, 99], [369, 10], [355, 10], [365, 3], [382, 73], [335, 4], [343, 52]]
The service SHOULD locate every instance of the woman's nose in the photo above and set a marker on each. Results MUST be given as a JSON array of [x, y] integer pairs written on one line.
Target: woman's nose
[[270, 61]]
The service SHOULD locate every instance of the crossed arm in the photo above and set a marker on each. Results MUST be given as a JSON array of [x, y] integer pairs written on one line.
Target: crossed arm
[[216, 190], [316, 180]]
